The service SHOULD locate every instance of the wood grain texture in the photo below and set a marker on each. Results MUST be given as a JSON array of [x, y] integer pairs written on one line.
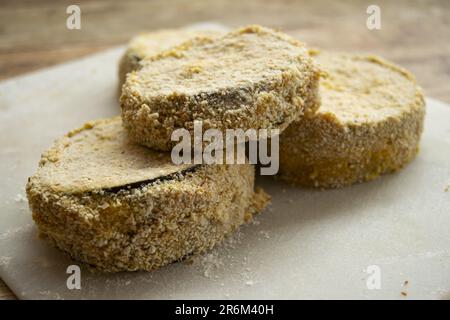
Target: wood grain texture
[[5, 293], [413, 33]]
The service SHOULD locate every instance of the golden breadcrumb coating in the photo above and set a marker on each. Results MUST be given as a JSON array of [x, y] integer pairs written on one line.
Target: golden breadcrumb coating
[[369, 123], [250, 78], [142, 221], [152, 43]]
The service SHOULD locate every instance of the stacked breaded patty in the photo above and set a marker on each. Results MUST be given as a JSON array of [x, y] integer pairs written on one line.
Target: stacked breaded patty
[[250, 78], [110, 195], [369, 122], [119, 206]]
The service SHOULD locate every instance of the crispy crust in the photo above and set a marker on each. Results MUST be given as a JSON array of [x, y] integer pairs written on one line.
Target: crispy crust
[[149, 225], [250, 78], [153, 43], [369, 123]]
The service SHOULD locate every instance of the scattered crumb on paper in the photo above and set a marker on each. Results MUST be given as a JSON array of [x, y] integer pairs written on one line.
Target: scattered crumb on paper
[[51, 295], [11, 232], [213, 260], [4, 261], [20, 198], [265, 234]]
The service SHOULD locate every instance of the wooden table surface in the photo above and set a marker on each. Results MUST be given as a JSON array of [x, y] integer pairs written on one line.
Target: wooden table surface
[[413, 33]]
